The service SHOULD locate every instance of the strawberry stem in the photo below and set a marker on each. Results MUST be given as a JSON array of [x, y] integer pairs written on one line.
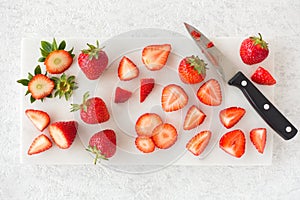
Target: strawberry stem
[[97, 152]]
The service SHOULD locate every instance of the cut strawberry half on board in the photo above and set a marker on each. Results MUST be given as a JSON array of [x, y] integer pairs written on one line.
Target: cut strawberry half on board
[[40, 143], [40, 86], [233, 143], [122, 95], [198, 143], [164, 136], [39, 118], [146, 123], [147, 85], [263, 77], [194, 117], [144, 144], [63, 133], [231, 116], [173, 98], [127, 69], [155, 56], [258, 138], [210, 93]]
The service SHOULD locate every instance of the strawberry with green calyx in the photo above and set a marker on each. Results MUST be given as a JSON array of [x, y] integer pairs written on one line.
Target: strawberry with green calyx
[[56, 58], [64, 86]]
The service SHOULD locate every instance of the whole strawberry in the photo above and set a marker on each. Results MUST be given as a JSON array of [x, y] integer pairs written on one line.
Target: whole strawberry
[[103, 144], [192, 70], [92, 61], [254, 50], [92, 110]]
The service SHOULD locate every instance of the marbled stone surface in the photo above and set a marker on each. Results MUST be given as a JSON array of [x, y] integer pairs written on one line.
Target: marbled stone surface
[[106, 18]]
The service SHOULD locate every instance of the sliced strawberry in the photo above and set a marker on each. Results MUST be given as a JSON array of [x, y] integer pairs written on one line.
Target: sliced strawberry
[[198, 143], [258, 138], [40, 86], [173, 98], [146, 123], [40, 119], [164, 136], [58, 61], [63, 133], [233, 143], [144, 144], [231, 116], [122, 95], [127, 69], [40, 143], [263, 77], [210, 93], [155, 56], [147, 85], [194, 117]]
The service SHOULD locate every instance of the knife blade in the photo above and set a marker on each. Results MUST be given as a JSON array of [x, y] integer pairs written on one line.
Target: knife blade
[[231, 75]]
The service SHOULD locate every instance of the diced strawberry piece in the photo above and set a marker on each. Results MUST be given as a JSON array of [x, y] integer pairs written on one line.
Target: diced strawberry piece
[[155, 56], [40, 143], [210, 93], [40, 119], [144, 144], [233, 143], [147, 85], [231, 116], [164, 136], [63, 133], [40, 86], [258, 138], [122, 95], [198, 143], [127, 69], [173, 98], [263, 77], [146, 123], [194, 117], [58, 61]]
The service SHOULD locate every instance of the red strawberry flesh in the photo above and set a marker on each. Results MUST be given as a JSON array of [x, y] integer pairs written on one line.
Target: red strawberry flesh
[[193, 118], [39, 144], [147, 85], [258, 138], [198, 143], [231, 116], [233, 143], [210, 93], [173, 98], [145, 144], [63, 133], [263, 77], [127, 70], [122, 95], [164, 136], [146, 123], [39, 118], [155, 56]]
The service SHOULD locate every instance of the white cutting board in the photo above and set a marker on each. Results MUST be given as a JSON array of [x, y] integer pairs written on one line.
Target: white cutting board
[[123, 116]]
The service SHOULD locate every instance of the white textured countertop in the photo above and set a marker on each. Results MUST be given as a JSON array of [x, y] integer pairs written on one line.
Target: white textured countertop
[[272, 18]]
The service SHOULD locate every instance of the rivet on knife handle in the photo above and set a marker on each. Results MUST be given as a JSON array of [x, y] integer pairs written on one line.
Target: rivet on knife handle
[[263, 106]]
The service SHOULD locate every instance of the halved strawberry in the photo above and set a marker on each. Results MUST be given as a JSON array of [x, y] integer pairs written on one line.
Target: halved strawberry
[[40, 143], [258, 138], [210, 93], [63, 133], [263, 77], [194, 117], [155, 56], [144, 144], [164, 136], [127, 69], [122, 95], [146, 123], [40, 86], [231, 116], [233, 143], [147, 85], [39, 118], [173, 98], [198, 143]]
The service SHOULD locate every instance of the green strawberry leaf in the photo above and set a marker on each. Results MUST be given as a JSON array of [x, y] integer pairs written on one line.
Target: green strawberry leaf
[[30, 76], [41, 59], [44, 52], [37, 70], [54, 45], [46, 46], [23, 82], [62, 45], [32, 99]]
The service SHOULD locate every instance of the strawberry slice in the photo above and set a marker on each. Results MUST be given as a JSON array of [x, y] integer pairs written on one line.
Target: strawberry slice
[[146, 123], [63, 133], [40, 119], [127, 69], [164, 136], [58, 61], [210, 93], [40, 86], [231, 116], [122, 95], [144, 144], [155, 56], [258, 138], [173, 98], [233, 143], [147, 85], [194, 117], [40, 143], [263, 77], [198, 143]]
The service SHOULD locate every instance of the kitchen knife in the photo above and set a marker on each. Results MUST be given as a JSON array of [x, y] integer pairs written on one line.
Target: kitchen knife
[[272, 116]]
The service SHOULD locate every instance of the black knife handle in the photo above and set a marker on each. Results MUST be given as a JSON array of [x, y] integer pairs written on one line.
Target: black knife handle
[[264, 107]]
